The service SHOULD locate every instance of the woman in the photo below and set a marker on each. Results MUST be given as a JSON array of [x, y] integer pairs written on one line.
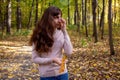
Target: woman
[[48, 39]]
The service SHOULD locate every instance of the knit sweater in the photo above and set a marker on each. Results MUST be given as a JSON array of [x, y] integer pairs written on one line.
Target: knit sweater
[[47, 67]]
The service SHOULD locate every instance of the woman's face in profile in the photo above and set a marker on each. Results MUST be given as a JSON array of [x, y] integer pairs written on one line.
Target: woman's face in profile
[[57, 21]]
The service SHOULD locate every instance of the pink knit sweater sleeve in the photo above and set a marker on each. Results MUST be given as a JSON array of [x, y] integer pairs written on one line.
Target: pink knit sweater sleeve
[[68, 48], [39, 60]]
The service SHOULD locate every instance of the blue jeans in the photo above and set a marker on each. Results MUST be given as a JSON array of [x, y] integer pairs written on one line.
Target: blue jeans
[[60, 77]]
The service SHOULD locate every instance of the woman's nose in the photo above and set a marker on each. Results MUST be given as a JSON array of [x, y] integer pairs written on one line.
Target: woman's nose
[[59, 20]]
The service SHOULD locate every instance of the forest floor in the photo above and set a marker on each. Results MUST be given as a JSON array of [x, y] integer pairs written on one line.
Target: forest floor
[[90, 61]]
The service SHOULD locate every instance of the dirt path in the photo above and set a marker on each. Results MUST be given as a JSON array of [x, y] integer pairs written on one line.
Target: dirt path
[[15, 62], [91, 62]]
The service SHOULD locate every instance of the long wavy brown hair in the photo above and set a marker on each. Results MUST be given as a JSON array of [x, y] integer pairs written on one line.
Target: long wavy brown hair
[[42, 36]]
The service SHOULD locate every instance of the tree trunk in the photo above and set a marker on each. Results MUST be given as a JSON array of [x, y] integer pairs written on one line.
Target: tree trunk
[[30, 16], [1, 17], [102, 20], [98, 9], [89, 16], [94, 5], [112, 52], [18, 17], [4, 15], [83, 13], [42, 6], [36, 13], [77, 16], [68, 11], [86, 30], [114, 21], [8, 17]]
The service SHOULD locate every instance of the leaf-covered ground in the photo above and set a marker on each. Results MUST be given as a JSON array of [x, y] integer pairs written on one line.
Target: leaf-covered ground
[[90, 61]]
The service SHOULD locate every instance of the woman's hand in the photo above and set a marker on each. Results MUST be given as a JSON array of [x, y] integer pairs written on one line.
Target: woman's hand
[[63, 24], [57, 60]]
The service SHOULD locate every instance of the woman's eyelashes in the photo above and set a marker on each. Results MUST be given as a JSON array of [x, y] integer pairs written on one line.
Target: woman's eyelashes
[[57, 17]]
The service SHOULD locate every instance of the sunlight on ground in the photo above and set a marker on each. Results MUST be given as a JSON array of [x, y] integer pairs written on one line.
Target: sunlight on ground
[[90, 61], [16, 61]]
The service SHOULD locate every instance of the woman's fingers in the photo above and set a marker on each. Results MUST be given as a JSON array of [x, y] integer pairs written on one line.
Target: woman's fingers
[[57, 60], [63, 24]]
